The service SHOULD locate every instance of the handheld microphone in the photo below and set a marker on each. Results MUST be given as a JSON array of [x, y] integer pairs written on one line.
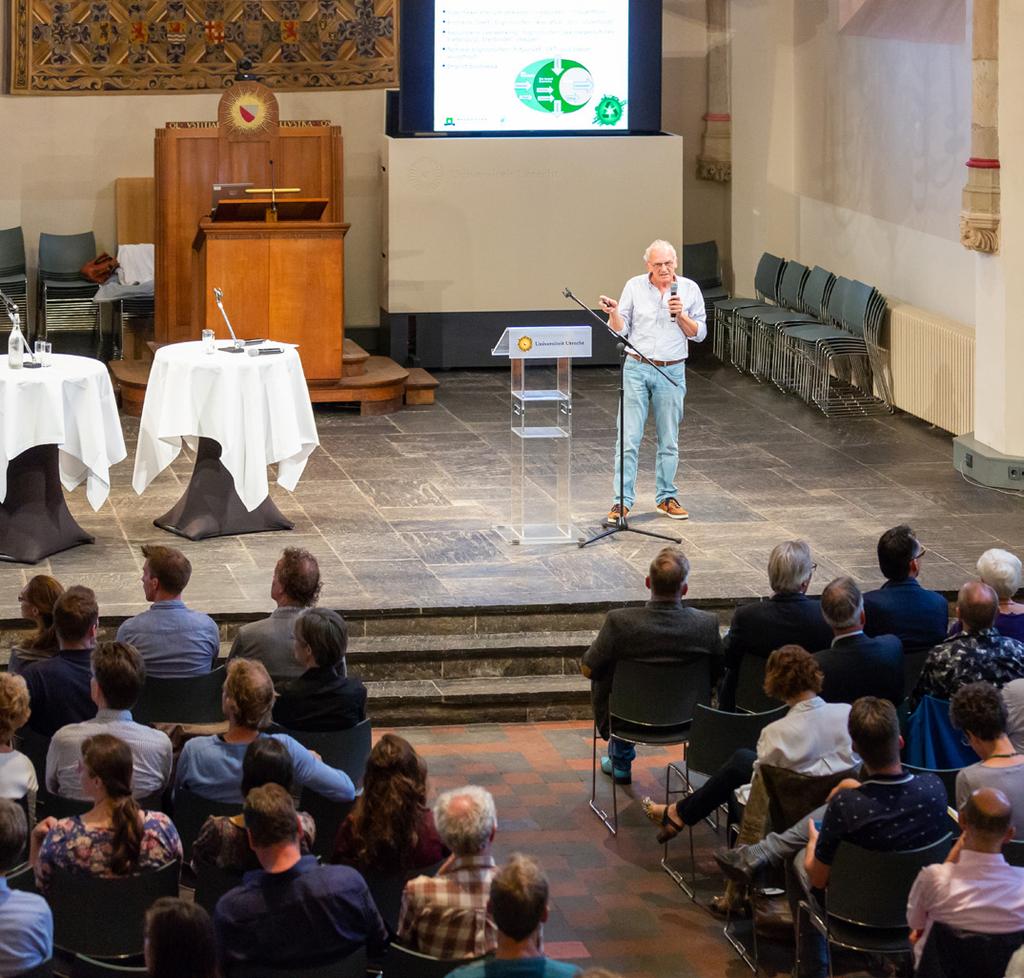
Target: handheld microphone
[[674, 291]]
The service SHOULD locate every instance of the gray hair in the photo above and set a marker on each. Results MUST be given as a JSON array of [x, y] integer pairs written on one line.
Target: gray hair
[[789, 566], [1001, 571], [465, 819], [841, 603], [13, 834], [659, 243]]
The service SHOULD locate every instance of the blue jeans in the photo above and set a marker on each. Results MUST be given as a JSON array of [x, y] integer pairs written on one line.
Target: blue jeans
[[644, 386], [621, 753]]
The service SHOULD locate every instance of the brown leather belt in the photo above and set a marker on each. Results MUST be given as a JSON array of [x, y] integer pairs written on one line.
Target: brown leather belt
[[658, 363]]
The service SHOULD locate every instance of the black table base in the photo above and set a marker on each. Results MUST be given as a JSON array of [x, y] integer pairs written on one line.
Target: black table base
[[34, 518], [210, 506]]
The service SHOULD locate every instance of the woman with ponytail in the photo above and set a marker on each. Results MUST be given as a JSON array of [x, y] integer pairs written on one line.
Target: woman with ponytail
[[115, 837], [391, 827]]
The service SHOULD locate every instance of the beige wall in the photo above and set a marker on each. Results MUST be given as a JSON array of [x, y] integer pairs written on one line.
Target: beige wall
[[683, 103], [879, 129]]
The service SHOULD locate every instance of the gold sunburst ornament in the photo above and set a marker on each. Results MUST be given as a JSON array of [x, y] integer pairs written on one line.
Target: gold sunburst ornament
[[248, 109], [525, 344]]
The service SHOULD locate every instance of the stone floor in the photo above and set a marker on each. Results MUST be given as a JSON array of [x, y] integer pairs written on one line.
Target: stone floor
[[611, 904], [401, 510]]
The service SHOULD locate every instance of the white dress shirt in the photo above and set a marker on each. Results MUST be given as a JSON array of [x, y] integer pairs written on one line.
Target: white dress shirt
[[812, 738], [981, 893], [151, 754], [650, 326]]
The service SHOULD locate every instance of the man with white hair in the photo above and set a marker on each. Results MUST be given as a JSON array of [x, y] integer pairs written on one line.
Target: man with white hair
[[660, 313], [446, 916]]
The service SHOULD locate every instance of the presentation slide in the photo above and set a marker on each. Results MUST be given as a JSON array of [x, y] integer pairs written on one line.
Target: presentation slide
[[546, 65]]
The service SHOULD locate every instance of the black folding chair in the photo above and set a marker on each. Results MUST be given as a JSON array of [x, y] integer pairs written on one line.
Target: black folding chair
[[652, 703], [400, 962], [212, 883], [42, 970], [191, 699], [750, 694], [714, 737], [103, 917], [865, 906], [952, 953], [352, 966], [86, 967], [191, 811]]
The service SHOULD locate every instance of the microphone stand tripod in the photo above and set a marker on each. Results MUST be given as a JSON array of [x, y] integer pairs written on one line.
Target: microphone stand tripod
[[621, 525]]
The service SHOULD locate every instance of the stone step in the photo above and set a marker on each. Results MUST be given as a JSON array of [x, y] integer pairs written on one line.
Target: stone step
[[492, 700]]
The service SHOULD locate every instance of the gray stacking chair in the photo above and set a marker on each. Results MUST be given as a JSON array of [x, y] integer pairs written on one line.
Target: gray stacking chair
[[745, 320], [13, 280], [64, 297], [190, 699], [816, 295], [766, 285], [701, 264]]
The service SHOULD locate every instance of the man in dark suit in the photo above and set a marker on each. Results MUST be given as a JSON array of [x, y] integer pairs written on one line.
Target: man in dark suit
[[856, 665], [901, 607], [661, 629], [788, 617]]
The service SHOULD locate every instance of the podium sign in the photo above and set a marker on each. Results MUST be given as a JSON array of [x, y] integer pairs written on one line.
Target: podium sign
[[541, 455], [540, 342]]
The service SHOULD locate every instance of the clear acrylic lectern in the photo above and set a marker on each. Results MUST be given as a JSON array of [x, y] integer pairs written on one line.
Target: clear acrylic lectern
[[541, 450]]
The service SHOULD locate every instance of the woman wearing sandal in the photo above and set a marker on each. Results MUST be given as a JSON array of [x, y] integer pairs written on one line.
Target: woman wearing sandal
[[811, 738]]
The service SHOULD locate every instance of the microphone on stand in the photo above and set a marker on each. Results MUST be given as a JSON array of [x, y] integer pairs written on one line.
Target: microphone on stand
[[273, 192]]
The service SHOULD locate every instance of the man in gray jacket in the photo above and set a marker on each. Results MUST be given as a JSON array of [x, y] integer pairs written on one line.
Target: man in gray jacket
[[661, 629], [295, 586]]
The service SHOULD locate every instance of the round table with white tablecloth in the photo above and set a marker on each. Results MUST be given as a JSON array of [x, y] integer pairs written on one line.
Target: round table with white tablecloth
[[59, 428], [239, 412]]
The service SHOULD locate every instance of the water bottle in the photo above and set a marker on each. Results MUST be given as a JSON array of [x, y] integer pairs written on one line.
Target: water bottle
[[16, 348]]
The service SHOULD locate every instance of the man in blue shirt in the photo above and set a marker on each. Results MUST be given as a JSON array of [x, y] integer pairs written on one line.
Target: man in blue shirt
[[901, 607], [59, 687], [519, 905], [660, 314], [292, 911], [26, 925], [174, 640]]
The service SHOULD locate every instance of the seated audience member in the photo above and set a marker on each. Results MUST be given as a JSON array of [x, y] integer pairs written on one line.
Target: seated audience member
[[174, 640], [1001, 571], [892, 810], [978, 654], [446, 916], [974, 889], [37, 599], [26, 925], [115, 837], [1013, 697], [295, 585], [179, 940], [391, 828], [58, 687], [855, 665], [519, 905], [212, 766], [118, 675], [324, 697], [901, 607], [222, 841], [663, 628], [978, 710], [293, 911], [811, 738], [788, 617], [17, 775]]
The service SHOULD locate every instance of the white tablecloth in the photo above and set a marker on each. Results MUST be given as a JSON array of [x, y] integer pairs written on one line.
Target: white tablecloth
[[69, 404], [257, 408]]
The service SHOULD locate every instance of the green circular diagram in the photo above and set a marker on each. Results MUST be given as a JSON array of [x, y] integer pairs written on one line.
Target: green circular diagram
[[557, 85]]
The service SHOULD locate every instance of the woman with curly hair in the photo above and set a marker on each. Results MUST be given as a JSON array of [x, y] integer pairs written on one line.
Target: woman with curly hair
[[391, 827], [17, 775], [115, 837], [37, 599], [811, 739]]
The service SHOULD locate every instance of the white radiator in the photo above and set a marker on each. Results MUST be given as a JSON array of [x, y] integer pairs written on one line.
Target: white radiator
[[932, 362]]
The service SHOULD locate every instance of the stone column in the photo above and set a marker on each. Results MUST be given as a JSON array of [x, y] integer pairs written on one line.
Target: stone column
[[979, 217], [715, 159]]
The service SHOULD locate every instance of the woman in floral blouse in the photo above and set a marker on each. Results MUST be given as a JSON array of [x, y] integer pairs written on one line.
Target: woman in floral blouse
[[115, 837]]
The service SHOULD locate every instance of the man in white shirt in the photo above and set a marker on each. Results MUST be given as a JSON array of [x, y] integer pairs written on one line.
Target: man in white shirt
[[118, 673], [660, 313], [975, 889]]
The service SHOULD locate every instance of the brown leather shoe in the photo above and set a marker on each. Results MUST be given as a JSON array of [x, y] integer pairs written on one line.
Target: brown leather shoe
[[617, 510], [671, 508]]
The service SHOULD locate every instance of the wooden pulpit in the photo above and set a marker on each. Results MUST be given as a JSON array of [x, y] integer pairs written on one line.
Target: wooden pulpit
[[282, 279]]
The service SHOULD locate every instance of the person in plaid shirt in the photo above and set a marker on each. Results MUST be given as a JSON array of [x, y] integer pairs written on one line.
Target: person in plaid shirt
[[447, 916]]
